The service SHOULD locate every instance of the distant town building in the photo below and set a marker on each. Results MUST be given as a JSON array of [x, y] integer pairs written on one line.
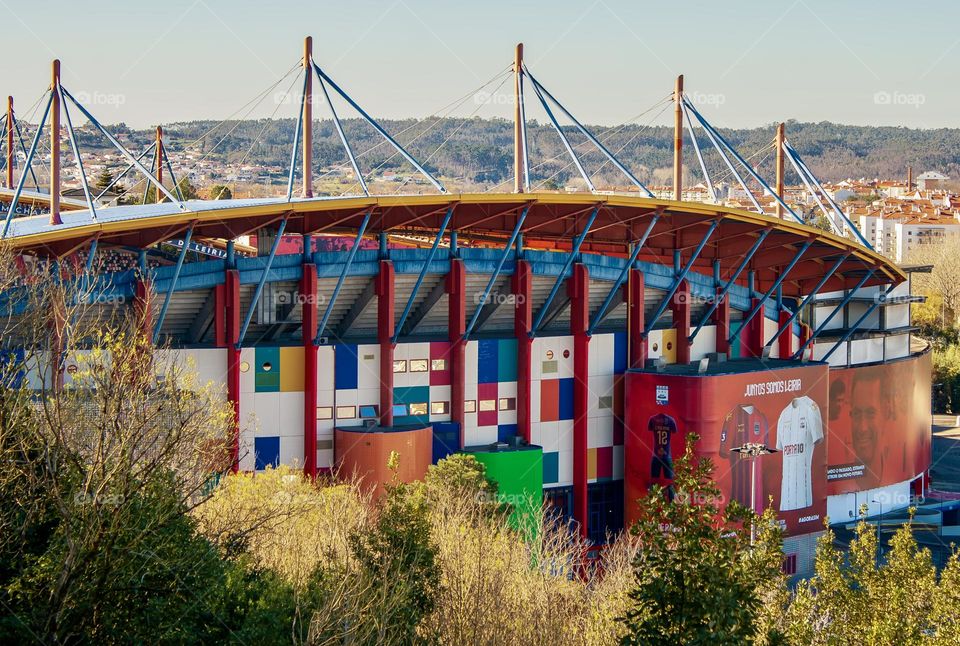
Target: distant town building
[[931, 180]]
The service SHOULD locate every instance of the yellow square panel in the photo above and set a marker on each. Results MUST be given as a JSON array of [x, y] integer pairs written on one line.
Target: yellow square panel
[[669, 342], [291, 370], [591, 464]]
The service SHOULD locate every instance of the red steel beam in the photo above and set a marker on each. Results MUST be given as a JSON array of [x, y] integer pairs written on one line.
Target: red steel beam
[[456, 326], [522, 287], [385, 326], [309, 305], [578, 288], [232, 294]]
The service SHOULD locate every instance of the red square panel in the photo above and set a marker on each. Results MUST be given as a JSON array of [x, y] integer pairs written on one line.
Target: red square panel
[[440, 351], [485, 394], [549, 400], [605, 462]]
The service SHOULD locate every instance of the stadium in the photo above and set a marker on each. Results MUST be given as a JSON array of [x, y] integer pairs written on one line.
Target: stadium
[[572, 341]]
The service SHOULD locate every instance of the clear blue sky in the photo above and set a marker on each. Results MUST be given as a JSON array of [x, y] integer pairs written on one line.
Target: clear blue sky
[[751, 62]]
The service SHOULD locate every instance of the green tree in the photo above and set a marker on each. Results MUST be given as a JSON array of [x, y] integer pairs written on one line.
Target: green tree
[[855, 599], [220, 192], [698, 579], [187, 189], [397, 560], [103, 180]]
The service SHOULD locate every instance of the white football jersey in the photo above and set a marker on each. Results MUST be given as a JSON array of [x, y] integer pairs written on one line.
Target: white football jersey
[[799, 428]]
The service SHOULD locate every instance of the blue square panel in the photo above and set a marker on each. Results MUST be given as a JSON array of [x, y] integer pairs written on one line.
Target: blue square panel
[[565, 399], [551, 468], [267, 452], [345, 366], [487, 352], [506, 432], [619, 353]]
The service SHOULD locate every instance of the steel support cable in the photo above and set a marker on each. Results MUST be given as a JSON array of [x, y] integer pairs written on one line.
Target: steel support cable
[[23, 175], [76, 153], [450, 107], [810, 188], [563, 138], [586, 133], [267, 123], [239, 121], [610, 134], [123, 174], [296, 137], [257, 98], [31, 113], [343, 139], [696, 149], [606, 136], [768, 149], [380, 129], [524, 138], [726, 160], [835, 206], [756, 176], [116, 144], [23, 147], [443, 143]]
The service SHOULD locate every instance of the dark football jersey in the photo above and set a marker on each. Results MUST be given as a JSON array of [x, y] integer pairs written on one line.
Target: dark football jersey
[[742, 425], [663, 427]]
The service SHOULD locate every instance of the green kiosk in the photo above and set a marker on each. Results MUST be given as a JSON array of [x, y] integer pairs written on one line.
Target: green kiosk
[[518, 471]]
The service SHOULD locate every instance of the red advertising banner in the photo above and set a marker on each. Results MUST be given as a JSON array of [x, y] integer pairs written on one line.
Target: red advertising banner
[[783, 408], [878, 429]]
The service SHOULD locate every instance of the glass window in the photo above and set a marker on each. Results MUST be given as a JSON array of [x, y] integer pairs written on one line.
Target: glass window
[[346, 412], [400, 410], [418, 409], [324, 412], [400, 365], [438, 364], [369, 412], [508, 403], [606, 402], [488, 405], [548, 367], [470, 406], [418, 365], [439, 408]]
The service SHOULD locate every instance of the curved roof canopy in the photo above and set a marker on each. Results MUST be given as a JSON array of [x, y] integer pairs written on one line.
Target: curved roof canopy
[[553, 221]]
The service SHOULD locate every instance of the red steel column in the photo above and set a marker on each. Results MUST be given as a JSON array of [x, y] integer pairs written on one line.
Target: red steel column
[[680, 307], [385, 325], [805, 334], [232, 312], [578, 288], [522, 286], [308, 300], [754, 331], [635, 317], [220, 316], [721, 318], [456, 326], [786, 338]]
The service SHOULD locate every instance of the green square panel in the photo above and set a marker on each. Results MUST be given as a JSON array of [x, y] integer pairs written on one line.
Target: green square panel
[[507, 360], [412, 395], [267, 370]]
